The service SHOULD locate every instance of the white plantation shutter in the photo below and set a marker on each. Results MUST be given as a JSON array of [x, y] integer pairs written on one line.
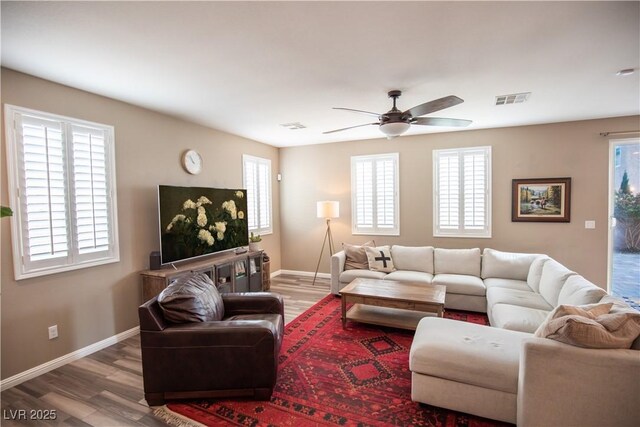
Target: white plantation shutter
[[257, 182], [44, 194], [475, 190], [374, 188], [363, 193], [90, 188], [61, 186], [264, 192], [250, 179], [462, 192]]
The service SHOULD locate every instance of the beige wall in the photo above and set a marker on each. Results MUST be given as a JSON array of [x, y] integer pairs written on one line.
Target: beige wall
[[92, 304], [572, 149]]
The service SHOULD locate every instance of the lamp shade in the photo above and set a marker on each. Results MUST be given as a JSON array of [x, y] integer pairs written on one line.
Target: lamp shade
[[394, 128], [328, 209]]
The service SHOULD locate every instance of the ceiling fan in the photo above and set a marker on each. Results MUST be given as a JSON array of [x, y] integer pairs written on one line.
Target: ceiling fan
[[395, 122]]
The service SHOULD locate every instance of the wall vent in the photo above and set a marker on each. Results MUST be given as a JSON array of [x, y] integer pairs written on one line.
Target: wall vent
[[293, 126], [514, 98]]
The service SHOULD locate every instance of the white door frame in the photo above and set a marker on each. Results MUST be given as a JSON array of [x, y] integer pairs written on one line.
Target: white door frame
[[611, 191]]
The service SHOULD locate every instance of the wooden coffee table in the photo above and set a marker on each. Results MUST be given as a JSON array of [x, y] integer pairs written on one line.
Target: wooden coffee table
[[391, 303]]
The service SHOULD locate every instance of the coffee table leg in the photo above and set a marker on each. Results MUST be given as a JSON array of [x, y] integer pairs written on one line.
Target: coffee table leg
[[344, 311]]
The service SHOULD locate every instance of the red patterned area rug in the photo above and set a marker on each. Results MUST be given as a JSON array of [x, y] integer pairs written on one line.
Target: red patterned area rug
[[334, 377]]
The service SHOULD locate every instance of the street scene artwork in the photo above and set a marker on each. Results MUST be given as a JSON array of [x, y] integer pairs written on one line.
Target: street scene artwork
[[541, 200]]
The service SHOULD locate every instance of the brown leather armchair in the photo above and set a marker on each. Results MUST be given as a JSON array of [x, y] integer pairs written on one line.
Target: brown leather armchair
[[236, 356]]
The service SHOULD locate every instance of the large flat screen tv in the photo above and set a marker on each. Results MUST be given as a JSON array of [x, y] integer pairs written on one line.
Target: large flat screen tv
[[198, 221]]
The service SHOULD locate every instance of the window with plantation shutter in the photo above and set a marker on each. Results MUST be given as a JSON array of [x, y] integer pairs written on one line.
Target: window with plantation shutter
[[257, 182], [374, 192], [462, 192], [62, 189]]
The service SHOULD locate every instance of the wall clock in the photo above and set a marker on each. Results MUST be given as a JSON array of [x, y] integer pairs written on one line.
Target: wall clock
[[192, 162]]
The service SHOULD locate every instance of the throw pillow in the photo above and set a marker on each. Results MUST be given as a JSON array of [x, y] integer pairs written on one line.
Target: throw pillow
[[591, 326], [356, 256], [191, 298], [380, 259], [619, 306]]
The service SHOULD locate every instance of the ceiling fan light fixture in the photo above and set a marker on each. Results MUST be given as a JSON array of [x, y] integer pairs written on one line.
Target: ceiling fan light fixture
[[394, 129]]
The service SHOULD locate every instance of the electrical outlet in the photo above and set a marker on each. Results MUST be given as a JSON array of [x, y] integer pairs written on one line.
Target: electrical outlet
[[590, 224], [53, 332]]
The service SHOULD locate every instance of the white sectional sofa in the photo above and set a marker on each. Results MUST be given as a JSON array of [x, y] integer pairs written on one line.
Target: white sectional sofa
[[458, 269], [503, 372], [465, 272]]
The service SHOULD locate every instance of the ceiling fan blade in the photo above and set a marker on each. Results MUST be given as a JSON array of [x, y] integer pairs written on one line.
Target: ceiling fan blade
[[432, 106], [351, 127], [357, 111], [441, 121]]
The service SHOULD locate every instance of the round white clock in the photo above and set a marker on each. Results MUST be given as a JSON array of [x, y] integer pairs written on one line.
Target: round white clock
[[192, 162]]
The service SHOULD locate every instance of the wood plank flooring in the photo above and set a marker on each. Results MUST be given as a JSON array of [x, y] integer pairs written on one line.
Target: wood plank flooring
[[105, 388]]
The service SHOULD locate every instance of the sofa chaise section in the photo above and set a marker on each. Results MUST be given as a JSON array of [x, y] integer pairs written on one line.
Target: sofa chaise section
[[555, 383], [466, 367]]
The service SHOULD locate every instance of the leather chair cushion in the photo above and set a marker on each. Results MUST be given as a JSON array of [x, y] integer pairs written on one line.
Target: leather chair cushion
[[191, 298]]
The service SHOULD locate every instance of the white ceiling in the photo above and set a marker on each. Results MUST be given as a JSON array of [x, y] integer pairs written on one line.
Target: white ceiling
[[248, 67]]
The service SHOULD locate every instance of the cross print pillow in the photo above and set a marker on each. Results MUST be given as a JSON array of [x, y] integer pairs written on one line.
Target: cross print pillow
[[380, 259]]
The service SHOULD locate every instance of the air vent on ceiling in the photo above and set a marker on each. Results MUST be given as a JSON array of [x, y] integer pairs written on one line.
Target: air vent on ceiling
[[293, 126], [514, 98]]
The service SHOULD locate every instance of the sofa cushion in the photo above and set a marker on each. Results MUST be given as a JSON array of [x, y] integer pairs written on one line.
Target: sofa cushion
[[467, 353], [457, 261], [535, 272], [506, 265], [349, 275], [493, 282], [517, 297], [517, 318], [554, 276], [413, 258], [191, 298], [356, 257], [579, 291], [380, 259], [591, 326], [460, 284], [410, 276]]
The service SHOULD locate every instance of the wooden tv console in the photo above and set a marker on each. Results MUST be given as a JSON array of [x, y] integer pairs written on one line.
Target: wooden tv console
[[231, 272]]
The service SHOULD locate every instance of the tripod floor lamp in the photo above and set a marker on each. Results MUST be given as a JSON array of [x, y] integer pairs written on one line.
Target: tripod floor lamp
[[326, 210]]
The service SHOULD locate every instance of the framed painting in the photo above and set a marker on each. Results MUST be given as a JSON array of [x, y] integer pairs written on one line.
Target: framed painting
[[541, 200]]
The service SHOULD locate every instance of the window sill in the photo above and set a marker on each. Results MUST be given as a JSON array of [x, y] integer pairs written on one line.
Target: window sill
[[55, 270], [463, 236], [261, 232], [375, 233]]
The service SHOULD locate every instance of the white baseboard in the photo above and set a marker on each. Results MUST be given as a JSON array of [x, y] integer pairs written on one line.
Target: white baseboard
[[305, 273], [67, 358]]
